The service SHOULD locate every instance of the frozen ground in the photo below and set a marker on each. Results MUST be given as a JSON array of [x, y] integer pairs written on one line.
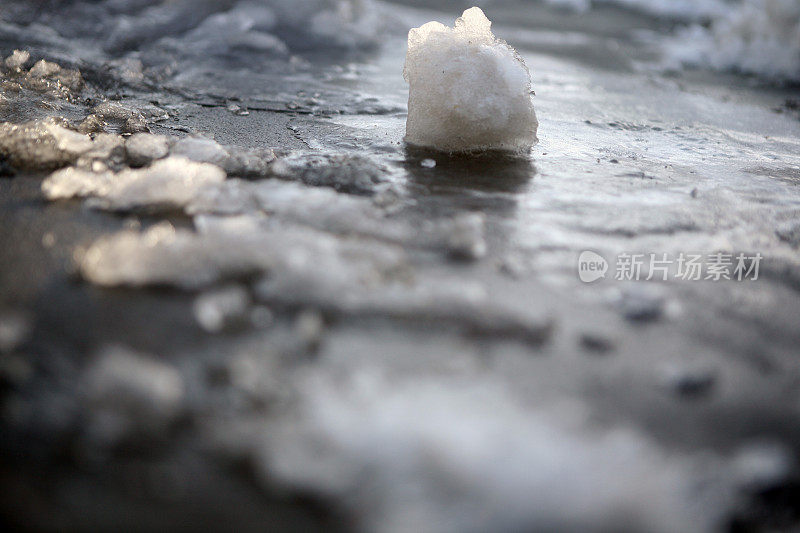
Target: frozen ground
[[230, 296]]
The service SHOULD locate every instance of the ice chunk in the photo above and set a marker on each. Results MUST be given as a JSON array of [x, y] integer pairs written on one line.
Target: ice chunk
[[130, 120], [131, 393], [142, 148], [468, 90], [170, 182], [249, 163], [353, 174], [106, 150], [17, 59], [201, 150], [44, 69], [165, 256], [46, 76], [231, 247], [218, 309], [41, 145], [466, 239]]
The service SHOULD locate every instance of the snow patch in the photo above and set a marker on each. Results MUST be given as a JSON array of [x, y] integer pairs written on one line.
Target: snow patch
[[454, 455], [757, 37], [170, 182]]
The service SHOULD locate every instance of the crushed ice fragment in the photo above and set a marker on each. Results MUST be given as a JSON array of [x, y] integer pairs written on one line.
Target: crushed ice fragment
[[428, 163], [249, 163], [466, 236], [468, 90], [142, 148], [170, 182], [129, 120], [223, 308], [17, 59], [43, 69], [201, 150], [238, 110], [131, 393], [91, 124], [46, 76], [41, 145], [129, 70], [239, 29], [49, 240], [231, 247], [353, 174]]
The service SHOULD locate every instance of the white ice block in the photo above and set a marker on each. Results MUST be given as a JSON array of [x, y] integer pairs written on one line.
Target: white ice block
[[468, 90]]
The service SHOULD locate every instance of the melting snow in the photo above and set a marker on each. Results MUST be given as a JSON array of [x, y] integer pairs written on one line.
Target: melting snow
[[170, 182]]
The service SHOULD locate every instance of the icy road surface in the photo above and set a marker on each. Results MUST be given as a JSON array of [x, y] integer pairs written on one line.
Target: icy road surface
[[232, 297]]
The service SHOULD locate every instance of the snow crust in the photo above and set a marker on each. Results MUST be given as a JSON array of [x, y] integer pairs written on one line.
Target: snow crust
[[468, 90]]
